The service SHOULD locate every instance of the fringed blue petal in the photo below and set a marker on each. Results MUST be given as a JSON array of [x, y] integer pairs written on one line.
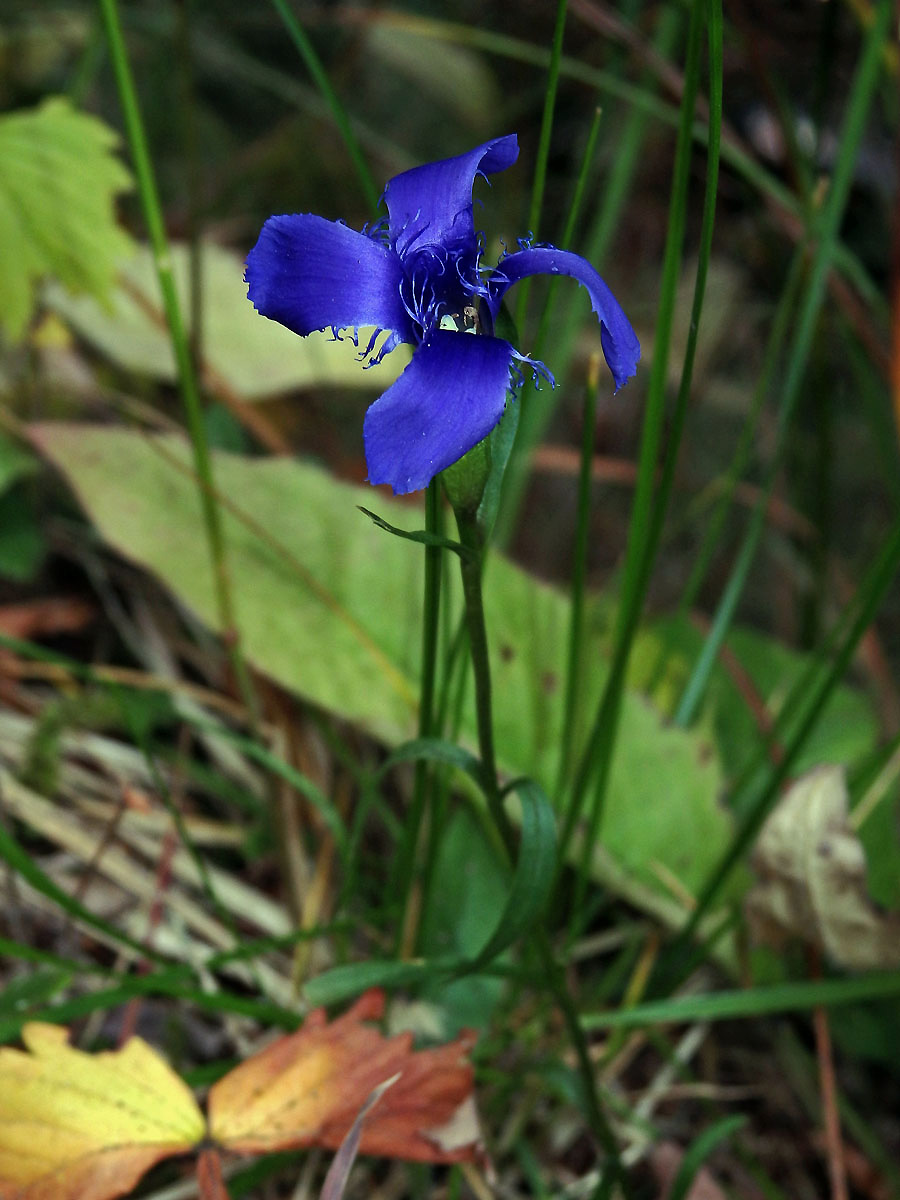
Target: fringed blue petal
[[309, 273], [619, 341], [450, 396], [432, 204]]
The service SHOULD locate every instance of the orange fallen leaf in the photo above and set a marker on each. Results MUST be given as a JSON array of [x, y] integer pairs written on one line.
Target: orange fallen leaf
[[77, 1126], [306, 1089]]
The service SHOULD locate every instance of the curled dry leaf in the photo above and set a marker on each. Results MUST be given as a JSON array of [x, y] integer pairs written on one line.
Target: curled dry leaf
[[812, 879], [77, 1126]]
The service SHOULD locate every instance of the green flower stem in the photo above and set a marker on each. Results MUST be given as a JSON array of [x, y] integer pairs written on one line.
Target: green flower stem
[[410, 878], [187, 380], [471, 568], [471, 563]]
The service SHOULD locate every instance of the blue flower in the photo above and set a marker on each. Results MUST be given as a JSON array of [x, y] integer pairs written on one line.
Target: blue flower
[[416, 275]]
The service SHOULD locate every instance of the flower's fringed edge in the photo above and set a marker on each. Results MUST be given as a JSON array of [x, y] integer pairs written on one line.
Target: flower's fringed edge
[[340, 333], [539, 371], [377, 231]]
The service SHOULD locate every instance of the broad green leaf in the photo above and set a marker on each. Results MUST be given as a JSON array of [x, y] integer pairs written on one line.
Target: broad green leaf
[[58, 181], [330, 607], [248, 354], [847, 731]]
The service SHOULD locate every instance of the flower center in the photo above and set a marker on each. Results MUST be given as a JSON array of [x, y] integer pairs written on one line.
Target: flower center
[[441, 288]]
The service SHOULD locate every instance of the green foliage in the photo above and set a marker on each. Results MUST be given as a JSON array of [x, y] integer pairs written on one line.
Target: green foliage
[[58, 182], [22, 543], [330, 610]]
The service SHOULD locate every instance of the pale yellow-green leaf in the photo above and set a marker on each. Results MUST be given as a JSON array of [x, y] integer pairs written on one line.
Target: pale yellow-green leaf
[[58, 181], [252, 356], [330, 606]]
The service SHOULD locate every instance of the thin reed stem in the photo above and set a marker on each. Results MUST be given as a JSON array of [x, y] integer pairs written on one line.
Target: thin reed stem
[[574, 665], [594, 768], [307, 52], [543, 154], [187, 380]]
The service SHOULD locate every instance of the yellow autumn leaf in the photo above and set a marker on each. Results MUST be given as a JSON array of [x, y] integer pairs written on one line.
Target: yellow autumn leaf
[[76, 1126]]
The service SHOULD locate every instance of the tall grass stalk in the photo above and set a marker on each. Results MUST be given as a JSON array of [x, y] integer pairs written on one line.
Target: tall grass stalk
[[187, 380], [543, 154], [594, 767], [563, 308], [307, 52], [755, 800], [824, 233]]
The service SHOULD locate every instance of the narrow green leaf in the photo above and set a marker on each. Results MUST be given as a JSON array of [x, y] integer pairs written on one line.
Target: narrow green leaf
[[307, 52], [751, 1002], [435, 750], [289, 774], [23, 993], [533, 878], [422, 536], [345, 982], [502, 439]]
